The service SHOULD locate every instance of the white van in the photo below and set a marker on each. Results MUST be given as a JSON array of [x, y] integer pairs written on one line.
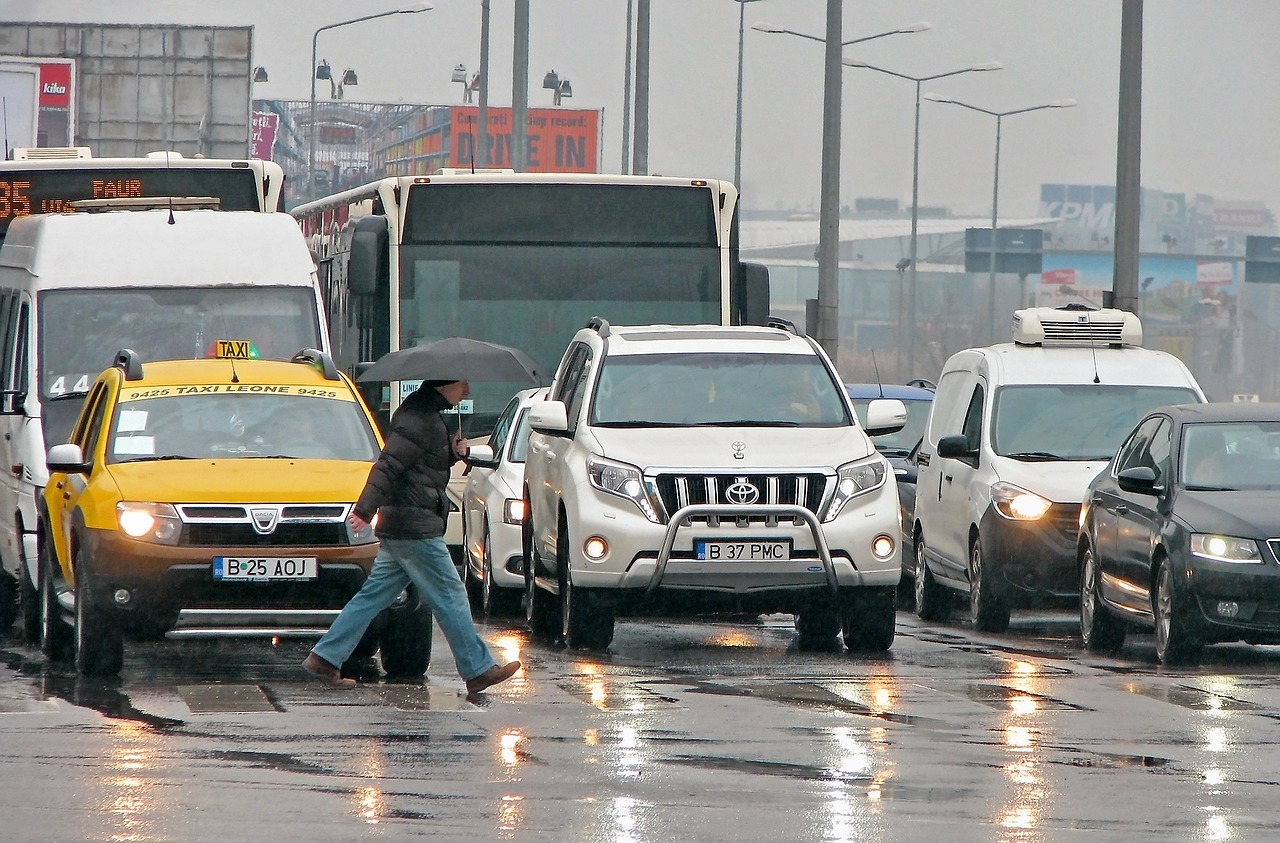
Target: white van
[[75, 288], [1015, 434]]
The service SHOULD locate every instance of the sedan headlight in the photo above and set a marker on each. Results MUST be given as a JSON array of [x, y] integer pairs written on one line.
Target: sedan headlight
[[513, 511], [149, 522], [364, 535], [625, 481], [1018, 504], [1225, 548], [856, 478]]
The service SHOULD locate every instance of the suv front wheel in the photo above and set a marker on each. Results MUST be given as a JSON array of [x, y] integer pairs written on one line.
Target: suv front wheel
[[586, 620], [541, 610]]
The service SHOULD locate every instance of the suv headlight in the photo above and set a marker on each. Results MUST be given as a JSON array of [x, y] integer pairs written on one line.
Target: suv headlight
[[1225, 548], [149, 522], [362, 536], [1017, 503], [623, 480], [856, 478]]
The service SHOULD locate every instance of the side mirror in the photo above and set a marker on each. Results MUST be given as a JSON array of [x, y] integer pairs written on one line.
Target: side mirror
[[885, 415], [67, 459], [482, 456], [905, 473], [1140, 480], [549, 417], [751, 293], [955, 447], [367, 269]]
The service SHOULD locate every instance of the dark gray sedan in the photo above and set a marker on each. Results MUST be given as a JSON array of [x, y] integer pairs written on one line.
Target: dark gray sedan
[[1180, 532]]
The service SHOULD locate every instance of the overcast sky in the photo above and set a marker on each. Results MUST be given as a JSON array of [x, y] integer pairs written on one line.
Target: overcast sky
[[1209, 80]]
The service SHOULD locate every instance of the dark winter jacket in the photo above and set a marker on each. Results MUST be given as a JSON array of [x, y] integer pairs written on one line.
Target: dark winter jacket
[[406, 486]]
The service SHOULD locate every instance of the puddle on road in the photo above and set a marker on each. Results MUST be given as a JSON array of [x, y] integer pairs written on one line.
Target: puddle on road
[[1187, 697], [226, 699], [422, 698], [805, 695], [1003, 698]]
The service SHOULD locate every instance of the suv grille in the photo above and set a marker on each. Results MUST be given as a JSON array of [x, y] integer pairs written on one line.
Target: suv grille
[[680, 490], [264, 525]]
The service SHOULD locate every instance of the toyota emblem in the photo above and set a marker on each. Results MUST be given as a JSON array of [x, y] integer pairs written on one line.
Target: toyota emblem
[[742, 493], [739, 450]]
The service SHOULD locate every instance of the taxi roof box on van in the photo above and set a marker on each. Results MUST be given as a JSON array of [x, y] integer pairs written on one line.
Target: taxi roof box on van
[[1016, 432], [147, 248]]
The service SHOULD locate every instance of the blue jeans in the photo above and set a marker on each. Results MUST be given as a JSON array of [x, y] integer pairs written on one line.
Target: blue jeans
[[427, 564]]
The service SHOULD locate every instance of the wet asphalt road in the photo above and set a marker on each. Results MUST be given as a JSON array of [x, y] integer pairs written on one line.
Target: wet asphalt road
[[685, 731]]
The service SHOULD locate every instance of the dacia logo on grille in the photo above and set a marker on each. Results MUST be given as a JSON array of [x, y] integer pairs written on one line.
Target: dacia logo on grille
[[742, 493], [264, 520], [739, 450]]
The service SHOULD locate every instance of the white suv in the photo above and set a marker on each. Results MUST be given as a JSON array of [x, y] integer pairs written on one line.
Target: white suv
[[705, 468]]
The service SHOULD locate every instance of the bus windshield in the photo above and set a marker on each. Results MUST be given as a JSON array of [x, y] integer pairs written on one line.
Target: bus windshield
[[526, 265], [81, 330]]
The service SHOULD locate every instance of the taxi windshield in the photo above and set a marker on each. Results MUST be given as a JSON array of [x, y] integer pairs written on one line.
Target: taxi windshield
[[225, 425]]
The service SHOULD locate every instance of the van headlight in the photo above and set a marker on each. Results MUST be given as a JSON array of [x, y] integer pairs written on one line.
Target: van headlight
[[149, 522], [856, 478], [1016, 503], [1225, 548], [623, 480]]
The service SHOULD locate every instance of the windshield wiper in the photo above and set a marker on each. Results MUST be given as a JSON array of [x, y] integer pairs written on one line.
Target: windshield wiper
[[1035, 456], [65, 396], [640, 423], [747, 423], [159, 458]]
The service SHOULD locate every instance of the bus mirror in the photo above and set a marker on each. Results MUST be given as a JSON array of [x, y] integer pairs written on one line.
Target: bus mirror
[[369, 248], [751, 296]]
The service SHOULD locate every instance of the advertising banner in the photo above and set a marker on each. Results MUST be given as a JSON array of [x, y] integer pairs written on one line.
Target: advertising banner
[[263, 134], [560, 140]]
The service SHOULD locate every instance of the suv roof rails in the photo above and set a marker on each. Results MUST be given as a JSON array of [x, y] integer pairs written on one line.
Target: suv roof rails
[[599, 324], [316, 357], [131, 362], [784, 324]]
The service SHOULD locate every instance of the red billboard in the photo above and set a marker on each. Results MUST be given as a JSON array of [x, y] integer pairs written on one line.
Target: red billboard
[[560, 140]]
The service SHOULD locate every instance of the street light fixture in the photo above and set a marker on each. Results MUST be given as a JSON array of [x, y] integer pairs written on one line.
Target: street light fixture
[[412, 8], [560, 87], [737, 142], [829, 210], [908, 331], [995, 187]]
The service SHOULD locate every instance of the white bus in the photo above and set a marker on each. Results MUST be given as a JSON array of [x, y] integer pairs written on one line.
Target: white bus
[[49, 181], [524, 260]]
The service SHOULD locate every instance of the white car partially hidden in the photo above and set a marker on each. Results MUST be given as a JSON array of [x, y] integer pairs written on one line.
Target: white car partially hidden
[[493, 510]]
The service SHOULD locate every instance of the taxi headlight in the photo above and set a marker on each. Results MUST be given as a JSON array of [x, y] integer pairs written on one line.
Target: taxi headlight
[[362, 536], [1225, 548], [856, 478], [1018, 504], [149, 522], [625, 481]]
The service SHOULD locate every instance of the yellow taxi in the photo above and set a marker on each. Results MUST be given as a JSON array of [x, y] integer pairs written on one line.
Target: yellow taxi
[[210, 497]]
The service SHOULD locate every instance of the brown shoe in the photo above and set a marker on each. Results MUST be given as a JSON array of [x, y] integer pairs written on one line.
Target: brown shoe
[[327, 673], [492, 676]]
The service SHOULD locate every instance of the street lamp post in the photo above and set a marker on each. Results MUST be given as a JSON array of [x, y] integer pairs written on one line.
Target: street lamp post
[[737, 138], [995, 188], [908, 336], [311, 152], [829, 210]]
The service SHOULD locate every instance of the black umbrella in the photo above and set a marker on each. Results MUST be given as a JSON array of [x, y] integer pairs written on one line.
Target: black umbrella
[[456, 359]]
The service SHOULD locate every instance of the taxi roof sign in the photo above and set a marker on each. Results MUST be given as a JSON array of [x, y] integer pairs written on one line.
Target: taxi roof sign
[[234, 350]]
